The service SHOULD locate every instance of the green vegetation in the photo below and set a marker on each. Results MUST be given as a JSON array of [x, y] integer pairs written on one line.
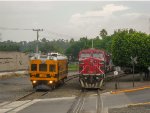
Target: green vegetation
[[45, 46], [122, 44], [73, 66], [127, 43], [9, 46]]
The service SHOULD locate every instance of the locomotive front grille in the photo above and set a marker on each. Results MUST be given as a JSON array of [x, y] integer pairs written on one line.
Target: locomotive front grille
[[91, 78]]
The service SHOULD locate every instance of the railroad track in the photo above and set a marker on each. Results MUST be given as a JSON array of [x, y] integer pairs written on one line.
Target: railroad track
[[82, 103], [115, 77], [30, 96], [34, 94], [71, 77]]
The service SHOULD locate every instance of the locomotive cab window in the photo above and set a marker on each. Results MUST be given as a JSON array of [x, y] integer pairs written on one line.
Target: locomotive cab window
[[33, 67], [85, 55], [52, 68], [43, 67], [97, 55]]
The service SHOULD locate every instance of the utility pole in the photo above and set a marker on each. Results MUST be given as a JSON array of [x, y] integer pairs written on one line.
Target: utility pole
[[37, 30], [133, 62], [92, 43]]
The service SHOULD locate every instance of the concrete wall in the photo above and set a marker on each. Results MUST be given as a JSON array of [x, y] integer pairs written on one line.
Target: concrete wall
[[13, 61]]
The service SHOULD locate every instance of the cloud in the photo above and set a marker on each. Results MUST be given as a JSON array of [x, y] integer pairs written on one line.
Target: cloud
[[90, 22], [133, 15], [111, 17], [106, 11]]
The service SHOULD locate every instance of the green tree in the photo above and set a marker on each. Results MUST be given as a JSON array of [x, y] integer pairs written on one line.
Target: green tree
[[103, 33], [126, 44], [71, 41]]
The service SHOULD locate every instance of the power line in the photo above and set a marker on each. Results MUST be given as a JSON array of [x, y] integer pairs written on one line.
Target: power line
[[5, 28], [37, 30], [49, 32], [58, 34]]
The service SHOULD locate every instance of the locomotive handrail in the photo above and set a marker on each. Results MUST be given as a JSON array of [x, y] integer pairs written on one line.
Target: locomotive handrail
[[83, 68], [100, 70]]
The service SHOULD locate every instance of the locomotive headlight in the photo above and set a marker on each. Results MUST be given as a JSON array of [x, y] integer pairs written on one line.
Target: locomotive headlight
[[50, 82], [97, 77], [34, 81]]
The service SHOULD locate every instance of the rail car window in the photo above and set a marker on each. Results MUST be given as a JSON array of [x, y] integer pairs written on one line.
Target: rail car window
[[85, 55], [43, 67], [97, 55], [33, 67], [52, 68]]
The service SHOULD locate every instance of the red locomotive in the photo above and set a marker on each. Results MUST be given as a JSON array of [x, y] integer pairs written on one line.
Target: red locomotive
[[93, 64]]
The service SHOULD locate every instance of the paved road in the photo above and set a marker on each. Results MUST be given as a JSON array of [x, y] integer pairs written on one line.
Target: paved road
[[62, 105], [20, 85], [123, 99], [50, 106], [90, 104]]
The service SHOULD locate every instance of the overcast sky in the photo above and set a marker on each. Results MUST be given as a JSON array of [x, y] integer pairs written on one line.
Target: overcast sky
[[74, 19]]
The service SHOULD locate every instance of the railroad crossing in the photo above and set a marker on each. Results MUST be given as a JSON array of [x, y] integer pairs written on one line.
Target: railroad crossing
[[69, 98]]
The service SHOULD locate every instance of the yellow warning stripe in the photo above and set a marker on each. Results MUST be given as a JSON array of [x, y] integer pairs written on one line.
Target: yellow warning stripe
[[130, 90], [137, 104]]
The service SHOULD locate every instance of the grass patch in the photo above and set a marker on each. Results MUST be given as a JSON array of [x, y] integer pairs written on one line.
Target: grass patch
[[73, 66]]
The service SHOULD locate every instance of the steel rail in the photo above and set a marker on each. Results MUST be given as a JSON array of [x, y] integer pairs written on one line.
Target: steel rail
[[71, 77], [99, 107], [19, 99], [25, 96], [34, 92], [30, 94], [77, 105]]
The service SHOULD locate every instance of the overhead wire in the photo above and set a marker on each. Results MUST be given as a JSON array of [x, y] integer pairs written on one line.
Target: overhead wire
[[5, 28], [55, 35], [48, 32], [59, 34]]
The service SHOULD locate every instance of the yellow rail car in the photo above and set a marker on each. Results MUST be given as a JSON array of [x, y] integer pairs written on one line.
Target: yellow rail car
[[48, 70]]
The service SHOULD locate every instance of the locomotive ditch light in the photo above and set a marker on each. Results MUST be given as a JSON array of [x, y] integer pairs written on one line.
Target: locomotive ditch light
[[34, 81], [50, 82], [97, 77], [85, 77], [102, 62]]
